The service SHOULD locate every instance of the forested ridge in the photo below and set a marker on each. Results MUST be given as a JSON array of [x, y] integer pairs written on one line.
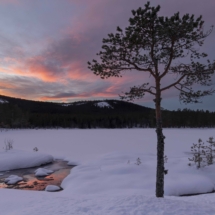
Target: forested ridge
[[20, 113]]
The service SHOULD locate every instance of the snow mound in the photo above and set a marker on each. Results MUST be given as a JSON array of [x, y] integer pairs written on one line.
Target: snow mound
[[103, 104], [17, 159], [52, 188], [13, 179], [187, 184], [42, 172], [112, 174], [118, 172]]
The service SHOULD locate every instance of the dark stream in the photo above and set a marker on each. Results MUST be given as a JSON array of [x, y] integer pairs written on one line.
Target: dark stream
[[31, 182]]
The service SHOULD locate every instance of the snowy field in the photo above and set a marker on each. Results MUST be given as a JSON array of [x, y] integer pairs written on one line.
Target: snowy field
[[107, 179]]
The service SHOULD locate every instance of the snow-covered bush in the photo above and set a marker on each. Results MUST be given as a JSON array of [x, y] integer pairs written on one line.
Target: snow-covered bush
[[202, 154], [199, 154]]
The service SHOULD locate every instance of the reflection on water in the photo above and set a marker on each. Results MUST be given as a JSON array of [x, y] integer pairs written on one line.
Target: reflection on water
[[30, 182]]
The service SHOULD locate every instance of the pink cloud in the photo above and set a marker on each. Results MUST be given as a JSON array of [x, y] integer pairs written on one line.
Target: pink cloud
[[72, 41]]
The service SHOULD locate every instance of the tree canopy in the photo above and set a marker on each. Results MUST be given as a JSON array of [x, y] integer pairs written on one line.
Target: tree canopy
[[160, 46]]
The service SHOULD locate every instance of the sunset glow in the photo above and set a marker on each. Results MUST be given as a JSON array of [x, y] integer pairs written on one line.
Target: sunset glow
[[45, 47]]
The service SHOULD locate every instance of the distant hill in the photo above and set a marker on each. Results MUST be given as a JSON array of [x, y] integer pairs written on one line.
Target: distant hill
[[104, 106], [21, 113], [82, 114]]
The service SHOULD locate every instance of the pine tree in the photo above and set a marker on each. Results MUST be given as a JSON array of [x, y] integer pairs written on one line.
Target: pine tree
[[199, 154], [157, 45]]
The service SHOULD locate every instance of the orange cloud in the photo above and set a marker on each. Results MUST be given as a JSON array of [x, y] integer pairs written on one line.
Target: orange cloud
[[9, 89], [4, 85], [78, 72], [42, 73], [33, 68], [35, 72]]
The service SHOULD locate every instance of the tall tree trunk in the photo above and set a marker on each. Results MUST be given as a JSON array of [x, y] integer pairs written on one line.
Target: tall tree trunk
[[160, 147]]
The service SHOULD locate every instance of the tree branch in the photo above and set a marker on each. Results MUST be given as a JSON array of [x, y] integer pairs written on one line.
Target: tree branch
[[192, 96], [140, 69], [137, 92], [173, 84]]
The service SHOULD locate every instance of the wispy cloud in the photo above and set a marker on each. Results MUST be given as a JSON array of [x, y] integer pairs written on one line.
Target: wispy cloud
[[45, 47]]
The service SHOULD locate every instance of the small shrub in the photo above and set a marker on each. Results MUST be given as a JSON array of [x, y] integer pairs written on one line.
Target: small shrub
[[8, 144], [203, 154], [199, 154], [35, 149], [138, 162]]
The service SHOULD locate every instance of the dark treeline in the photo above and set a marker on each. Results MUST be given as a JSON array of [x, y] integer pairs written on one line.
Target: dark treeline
[[18, 113], [188, 118]]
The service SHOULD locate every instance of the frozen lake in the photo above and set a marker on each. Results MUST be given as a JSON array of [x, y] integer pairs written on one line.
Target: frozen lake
[[82, 145]]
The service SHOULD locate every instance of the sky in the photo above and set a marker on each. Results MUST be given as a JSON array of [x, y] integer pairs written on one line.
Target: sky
[[46, 44]]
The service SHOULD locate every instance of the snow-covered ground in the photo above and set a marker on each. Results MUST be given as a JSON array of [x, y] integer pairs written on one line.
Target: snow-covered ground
[[3, 101], [103, 104], [108, 179]]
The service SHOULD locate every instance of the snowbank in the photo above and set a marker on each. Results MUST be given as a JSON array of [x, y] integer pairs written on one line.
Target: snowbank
[[118, 172], [17, 159], [186, 184]]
